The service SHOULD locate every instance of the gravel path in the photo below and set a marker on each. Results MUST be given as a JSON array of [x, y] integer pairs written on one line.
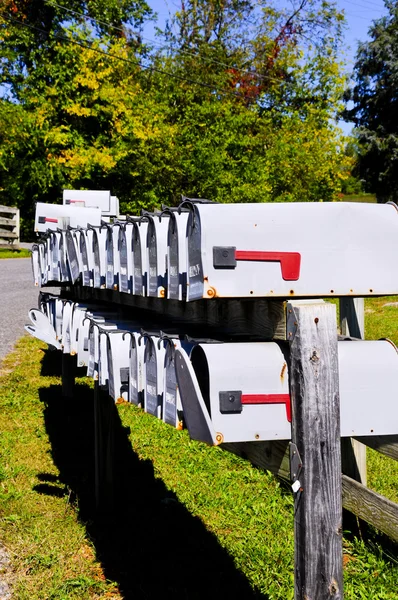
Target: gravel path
[[17, 296]]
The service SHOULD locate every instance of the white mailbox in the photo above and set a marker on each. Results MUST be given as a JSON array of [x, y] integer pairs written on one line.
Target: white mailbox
[[36, 270], [66, 326], [239, 392], [58, 216], [99, 254], [101, 199], [177, 256], [78, 314], [85, 250], [54, 257], [153, 375], [172, 412], [140, 229], [112, 256], [243, 388], [72, 255], [136, 373], [126, 263], [118, 347], [312, 249], [41, 328], [158, 226]]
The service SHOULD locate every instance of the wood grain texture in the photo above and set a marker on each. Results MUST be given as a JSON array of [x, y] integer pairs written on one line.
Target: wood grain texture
[[9, 222], [8, 210], [385, 444], [258, 319], [371, 507], [270, 456], [314, 381]]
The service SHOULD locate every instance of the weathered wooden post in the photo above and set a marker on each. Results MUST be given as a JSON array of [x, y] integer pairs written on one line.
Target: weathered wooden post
[[353, 453], [315, 451]]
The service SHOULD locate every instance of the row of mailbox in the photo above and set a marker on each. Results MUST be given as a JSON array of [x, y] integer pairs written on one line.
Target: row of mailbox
[[204, 250], [223, 392]]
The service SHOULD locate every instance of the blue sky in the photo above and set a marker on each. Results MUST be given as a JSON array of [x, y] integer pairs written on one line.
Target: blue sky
[[359, 16]]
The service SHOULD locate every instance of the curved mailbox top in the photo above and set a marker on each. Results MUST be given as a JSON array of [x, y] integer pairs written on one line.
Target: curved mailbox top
[[292, 250]]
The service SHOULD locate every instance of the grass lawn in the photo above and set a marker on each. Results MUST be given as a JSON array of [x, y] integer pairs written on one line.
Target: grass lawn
[[191, 522], [14, 253]]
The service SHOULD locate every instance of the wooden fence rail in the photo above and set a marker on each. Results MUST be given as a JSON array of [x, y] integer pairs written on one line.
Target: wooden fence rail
[[9, 226]]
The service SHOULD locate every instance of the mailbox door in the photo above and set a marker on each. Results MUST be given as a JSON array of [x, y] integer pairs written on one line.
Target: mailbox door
[[99, 253], [140, 258], [35, 258], [136, 375], [118, 365], [85, 245], [110, 255], [177, 257], [72, 256], [157, 251], [55, 274], [292, 250], [66, 326], [79, 312], [125, 252], [153, 368], [83, 348]]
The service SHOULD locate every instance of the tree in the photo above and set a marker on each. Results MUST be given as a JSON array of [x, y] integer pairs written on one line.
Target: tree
[[375, 107]]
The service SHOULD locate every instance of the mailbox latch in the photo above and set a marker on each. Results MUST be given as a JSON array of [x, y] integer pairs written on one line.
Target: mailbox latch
[[230, 402]]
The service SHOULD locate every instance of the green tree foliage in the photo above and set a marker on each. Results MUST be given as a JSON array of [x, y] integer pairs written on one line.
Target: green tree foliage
[[237, 105], [375, 107]]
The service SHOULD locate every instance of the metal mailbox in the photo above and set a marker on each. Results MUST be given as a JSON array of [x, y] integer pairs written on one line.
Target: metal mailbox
[[66, 326], [136, 372], [41, 328], [112, 256], [118, 346], [85, 251], [58, 216], [242, 388], [368, 374], [239, 392], [73, 255], [153, 375], [158, 227], [99, 237], [292, 250], [140, 259], [126, 263], [35, 259], [172, 412], [101, 199], [54, 258], [78, 314], [177, 256]]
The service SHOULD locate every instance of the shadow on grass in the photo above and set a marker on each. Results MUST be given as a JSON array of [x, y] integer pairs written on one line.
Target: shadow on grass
[[150, 545]]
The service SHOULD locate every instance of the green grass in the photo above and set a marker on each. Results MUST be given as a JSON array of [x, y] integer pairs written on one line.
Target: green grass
[[190, 522], [370, 198], [14, 253]]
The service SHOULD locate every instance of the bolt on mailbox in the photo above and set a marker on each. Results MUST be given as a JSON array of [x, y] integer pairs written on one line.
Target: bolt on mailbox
[[292, 250]]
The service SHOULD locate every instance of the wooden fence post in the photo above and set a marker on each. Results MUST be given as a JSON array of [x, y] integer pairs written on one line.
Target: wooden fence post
[[315, 451], [353, 453]]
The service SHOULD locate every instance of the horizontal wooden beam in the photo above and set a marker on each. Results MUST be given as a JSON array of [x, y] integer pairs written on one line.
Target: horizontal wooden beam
[[257, 319], [357, 498], [371, 507], [8, 222], [8, 209], [385, 444], [8, 234]]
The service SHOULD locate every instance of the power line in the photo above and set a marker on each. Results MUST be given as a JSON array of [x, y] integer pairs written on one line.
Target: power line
[[184, 52], [368, 2], [69, 40]]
